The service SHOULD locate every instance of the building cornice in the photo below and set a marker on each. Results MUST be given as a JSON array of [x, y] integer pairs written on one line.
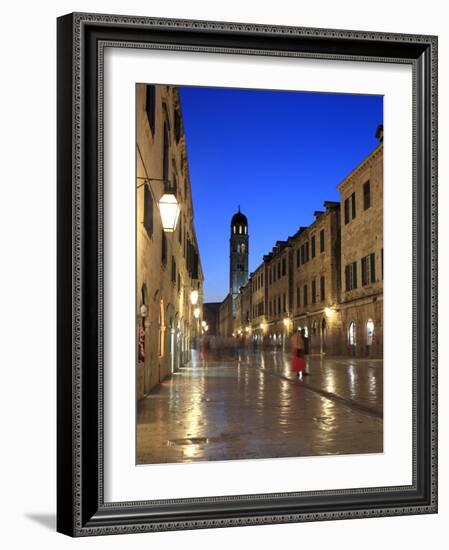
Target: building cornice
[[363, 165]]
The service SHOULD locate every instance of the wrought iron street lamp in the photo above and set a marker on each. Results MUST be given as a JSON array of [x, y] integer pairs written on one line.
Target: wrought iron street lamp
[[169, 209]]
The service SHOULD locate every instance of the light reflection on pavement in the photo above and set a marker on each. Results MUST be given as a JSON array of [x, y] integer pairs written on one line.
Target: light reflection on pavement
[[245, 404]]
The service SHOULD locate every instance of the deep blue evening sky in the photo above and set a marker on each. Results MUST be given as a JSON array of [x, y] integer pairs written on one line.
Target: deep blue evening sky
[[277, 154]]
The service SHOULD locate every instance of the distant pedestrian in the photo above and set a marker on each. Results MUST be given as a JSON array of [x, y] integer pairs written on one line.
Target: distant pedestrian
[[306, 341], [298, 361], [204, 348], [306, 349]]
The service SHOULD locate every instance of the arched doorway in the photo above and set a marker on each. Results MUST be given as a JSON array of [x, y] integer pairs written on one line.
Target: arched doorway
[[323, 335], [315, 343], [369, 336], [172, 348], [171, 343], [182, 343], [143, 349], [352, 337], [161, 337]]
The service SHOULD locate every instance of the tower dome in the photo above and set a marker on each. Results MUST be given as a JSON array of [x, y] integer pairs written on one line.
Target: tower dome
[[239, 218]]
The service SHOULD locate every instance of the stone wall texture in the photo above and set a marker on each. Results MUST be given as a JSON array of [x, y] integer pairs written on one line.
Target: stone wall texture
[[168, 263]]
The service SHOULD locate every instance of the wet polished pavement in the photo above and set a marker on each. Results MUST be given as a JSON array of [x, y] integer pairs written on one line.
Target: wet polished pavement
[[359, 382], [244, 404]]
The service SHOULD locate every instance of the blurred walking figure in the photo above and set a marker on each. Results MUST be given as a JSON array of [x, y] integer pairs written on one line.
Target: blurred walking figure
[[306, 349], [298, 361], [204, 348]]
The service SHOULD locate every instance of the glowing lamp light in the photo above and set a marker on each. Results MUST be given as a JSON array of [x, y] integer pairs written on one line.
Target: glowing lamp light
[[169, 208], [328, 311], [286, 321], [203, 324], [196, 313], [194, 297]]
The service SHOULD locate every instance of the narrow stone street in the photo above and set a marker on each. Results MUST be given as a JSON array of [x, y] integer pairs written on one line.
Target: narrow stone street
[[247, 404]]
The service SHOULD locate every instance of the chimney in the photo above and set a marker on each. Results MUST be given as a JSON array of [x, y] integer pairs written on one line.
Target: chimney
[[380, 133], [331, 205]]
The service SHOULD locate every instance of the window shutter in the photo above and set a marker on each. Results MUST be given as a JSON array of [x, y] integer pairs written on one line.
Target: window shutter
[[148, 210], [355, 274], [150, 105], [348, 287], [366, 195], [364, 272]]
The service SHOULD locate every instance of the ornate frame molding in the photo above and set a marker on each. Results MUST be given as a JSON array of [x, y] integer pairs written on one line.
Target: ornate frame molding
[[81, 42]]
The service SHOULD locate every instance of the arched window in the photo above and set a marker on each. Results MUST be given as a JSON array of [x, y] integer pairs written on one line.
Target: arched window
[[369, 332], [234, 229], [242, 248], [143, 293], [352, 336], [240, 229], [246, 229]]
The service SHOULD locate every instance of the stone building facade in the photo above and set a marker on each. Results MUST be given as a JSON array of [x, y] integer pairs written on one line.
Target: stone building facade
[[226, 318], [258, 310], [326, 279], [211, 312], [316, 254], [168, 262], [361, 220], [278, 295]]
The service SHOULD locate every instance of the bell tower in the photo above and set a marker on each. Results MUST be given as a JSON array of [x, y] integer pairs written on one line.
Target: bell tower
[[238, 255]]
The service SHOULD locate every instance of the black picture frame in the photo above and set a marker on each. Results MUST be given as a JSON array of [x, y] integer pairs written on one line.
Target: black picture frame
[[81, 510]]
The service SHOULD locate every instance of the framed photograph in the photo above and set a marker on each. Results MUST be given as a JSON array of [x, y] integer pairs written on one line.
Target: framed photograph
[[247, 274]]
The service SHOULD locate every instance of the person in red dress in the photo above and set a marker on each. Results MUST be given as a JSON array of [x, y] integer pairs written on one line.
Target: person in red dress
[[298, 360]]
